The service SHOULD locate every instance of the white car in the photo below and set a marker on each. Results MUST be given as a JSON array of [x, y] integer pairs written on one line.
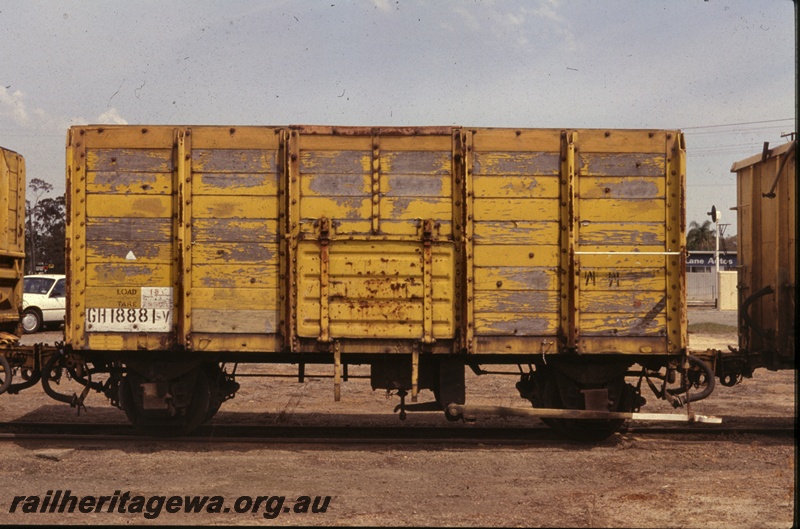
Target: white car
[[44, 300]]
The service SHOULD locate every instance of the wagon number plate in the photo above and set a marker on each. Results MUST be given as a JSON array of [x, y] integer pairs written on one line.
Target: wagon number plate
[[129, 320], [138, 309]]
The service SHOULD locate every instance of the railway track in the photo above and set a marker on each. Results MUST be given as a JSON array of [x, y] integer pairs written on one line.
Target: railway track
[[447, 434]]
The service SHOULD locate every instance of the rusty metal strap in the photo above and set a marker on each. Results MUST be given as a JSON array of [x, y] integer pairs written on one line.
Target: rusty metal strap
[[427, 281], [324, 279], [376, 185]]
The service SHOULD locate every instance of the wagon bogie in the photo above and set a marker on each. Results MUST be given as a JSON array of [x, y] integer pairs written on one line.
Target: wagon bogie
[[163, 406]]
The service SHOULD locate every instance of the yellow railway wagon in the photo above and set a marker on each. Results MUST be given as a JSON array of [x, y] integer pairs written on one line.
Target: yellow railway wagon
[[12, 239], [767, 251], [414, 250]]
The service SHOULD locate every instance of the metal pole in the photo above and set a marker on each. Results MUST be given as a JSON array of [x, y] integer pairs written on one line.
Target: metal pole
[[716, 257]]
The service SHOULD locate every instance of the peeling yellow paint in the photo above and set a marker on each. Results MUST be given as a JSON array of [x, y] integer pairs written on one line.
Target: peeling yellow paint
[[285, 236]]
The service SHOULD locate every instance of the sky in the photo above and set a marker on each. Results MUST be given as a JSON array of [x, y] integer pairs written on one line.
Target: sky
[[722, 71]]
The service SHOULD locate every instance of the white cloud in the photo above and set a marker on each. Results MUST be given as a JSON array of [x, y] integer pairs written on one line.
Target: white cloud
[[111, 117], [524, 25], [547, 9], [12, 105], [383, 5], [469, 19]]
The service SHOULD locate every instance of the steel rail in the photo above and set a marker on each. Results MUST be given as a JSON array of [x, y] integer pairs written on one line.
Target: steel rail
[[446, 434]]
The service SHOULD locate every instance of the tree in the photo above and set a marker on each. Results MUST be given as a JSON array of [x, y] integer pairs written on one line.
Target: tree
[[729, 244], [45, 229], [700, 236]]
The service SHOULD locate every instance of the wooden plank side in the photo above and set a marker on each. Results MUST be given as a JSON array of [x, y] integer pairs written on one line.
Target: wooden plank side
[[417, 162], [442, 229], [516, 324], [335, 185], [235, 298], [629, 324], [618, 187], [344, 208], [234, 207], [613, 260], [255, 343], [129, 160], [146, 206], [423, 143], [394, 185], [491, 255], [112, 137], [335, 162], [622, 301], [517, 140], [516, 163], [240, 321], [239, 183], [623, 279], [611, 210], [234, 161], [517, 232], [129, 229], [627, 234], [517, 301], [329, 142], [128, 274], [239, 137], [622, 164], [516, 278], [515, 209], [213, 230], [234, 252], [522, 186], [412, 208], [241, 275], [121, 251], [623, 141], [129, 183]]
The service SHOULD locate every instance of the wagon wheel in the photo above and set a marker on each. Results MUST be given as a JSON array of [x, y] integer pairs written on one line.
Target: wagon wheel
[[555, 390], [166, 423]]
